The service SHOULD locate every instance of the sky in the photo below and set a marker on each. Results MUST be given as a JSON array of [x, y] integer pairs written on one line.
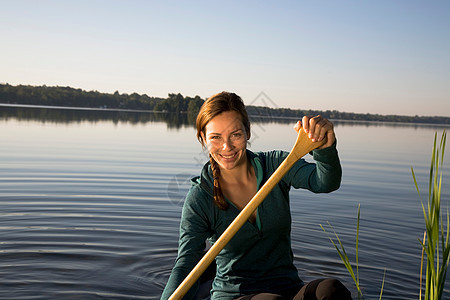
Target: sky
[[380, 57]]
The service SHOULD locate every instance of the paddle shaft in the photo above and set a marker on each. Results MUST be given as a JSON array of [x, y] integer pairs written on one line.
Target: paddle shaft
[[302, 146]]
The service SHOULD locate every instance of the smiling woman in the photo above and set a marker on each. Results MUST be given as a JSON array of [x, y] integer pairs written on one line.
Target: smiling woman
[[258, 261], [226, 139], [227, 143]]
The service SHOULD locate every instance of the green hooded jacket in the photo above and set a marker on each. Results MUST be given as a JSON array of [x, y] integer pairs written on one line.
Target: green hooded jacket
[[259, 257]]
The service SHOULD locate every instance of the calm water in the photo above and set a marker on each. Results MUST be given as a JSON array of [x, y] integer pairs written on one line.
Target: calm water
[[90, 203]]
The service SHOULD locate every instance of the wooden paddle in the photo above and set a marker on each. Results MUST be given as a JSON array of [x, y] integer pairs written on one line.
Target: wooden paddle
[[303, 145]]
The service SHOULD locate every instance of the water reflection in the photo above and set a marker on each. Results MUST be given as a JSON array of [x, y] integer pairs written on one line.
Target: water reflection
[[52, 115], [173, 121]]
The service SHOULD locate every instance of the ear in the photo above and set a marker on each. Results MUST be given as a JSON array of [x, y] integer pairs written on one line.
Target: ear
[[249, 134]]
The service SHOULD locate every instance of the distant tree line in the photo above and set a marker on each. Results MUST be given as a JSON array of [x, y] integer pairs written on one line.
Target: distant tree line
[[337, 115], [71, 97], [174, 103]]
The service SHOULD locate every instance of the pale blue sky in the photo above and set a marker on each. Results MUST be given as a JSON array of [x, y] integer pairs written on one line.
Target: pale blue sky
[[387, 57]]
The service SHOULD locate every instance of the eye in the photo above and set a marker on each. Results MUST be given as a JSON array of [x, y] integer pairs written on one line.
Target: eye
[[237, 135]]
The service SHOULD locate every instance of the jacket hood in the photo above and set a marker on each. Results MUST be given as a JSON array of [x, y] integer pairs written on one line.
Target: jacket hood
[[205, 181]]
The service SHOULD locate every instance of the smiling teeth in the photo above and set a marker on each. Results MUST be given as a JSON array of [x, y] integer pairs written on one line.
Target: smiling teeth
[[229, 156]]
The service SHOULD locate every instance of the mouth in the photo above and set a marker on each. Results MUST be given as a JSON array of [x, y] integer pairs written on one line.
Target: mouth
[[229, 156]]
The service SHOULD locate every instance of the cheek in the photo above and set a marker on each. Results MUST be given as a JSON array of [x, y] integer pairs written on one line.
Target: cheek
[[210, 146], [242, 144]]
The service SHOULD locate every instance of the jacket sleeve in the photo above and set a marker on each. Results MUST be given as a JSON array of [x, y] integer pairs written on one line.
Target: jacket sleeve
[[194, 230], [323, 176]]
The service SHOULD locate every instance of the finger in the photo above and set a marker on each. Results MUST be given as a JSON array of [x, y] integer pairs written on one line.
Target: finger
[[305, 123], [327, 132], [331, 139], [320, 130], [298, 126], [312, 126], [323, 131]]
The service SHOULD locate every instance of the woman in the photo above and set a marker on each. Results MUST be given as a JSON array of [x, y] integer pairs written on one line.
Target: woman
[[258, 261]]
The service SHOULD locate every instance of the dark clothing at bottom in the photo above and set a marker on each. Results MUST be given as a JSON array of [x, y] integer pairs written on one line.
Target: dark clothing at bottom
[[320, 289]]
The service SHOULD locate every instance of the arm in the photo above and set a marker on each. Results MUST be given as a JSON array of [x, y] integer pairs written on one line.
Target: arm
[[323, 176], [194, 230]]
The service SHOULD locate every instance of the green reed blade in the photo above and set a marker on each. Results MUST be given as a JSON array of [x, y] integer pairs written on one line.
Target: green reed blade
[[343, 255], [415, 182], [357, 243], [382, 284]]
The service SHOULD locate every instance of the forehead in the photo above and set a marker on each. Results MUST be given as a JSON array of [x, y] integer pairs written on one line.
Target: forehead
[[225, 122]]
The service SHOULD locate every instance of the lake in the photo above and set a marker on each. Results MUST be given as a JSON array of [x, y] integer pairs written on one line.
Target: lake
[[90, 202]]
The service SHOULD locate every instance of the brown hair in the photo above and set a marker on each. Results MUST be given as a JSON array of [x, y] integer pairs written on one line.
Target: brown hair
[[212, 107]]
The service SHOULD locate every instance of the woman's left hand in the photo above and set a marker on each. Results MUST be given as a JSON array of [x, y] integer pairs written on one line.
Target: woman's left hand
[[317, 129]]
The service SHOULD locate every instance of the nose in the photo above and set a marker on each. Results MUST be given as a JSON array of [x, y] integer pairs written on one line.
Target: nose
[[227, 145]]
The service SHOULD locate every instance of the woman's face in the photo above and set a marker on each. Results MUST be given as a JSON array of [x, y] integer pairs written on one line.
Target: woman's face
[[226, 139]]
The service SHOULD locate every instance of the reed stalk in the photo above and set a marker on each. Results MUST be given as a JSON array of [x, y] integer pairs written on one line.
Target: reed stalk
[[421, 266], [344, 257], [436, 246]]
